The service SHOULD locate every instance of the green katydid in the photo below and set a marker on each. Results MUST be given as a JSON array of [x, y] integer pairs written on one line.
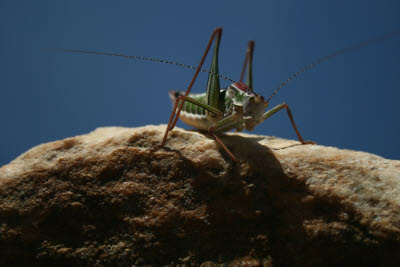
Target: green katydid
[[236, 107]]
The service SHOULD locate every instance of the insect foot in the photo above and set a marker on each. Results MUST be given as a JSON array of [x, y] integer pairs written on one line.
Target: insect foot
[[101, 198], [155, 148]]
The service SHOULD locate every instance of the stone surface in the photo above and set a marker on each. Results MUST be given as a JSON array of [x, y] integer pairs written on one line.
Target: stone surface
[[104, 199]]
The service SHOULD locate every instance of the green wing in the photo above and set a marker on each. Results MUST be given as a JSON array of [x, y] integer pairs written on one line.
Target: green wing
[[213, 96]]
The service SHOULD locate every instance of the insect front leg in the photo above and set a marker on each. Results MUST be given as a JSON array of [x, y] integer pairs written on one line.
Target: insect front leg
[[272, 111]]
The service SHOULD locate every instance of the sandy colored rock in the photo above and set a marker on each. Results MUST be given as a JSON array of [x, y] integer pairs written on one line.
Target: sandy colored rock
[[104, 199]]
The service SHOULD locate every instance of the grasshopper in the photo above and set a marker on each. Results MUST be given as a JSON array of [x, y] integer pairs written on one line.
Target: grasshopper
[[224, 109]]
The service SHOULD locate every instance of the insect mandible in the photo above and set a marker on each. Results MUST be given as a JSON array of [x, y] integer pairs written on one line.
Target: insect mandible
[[224, 109]]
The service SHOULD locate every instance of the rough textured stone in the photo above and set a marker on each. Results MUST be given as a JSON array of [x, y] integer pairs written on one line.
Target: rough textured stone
[[104, 199]]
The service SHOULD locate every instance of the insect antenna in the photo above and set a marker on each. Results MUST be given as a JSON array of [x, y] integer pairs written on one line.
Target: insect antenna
[[334, 54], [141, 58]]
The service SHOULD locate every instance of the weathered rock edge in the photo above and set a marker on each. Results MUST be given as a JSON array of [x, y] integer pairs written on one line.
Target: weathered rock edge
[[104, 199]]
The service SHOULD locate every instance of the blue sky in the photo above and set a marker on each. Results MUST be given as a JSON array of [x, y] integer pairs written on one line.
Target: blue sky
[[350, 101]]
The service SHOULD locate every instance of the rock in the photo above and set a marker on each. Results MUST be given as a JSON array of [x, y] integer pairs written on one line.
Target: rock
[[104, 199]]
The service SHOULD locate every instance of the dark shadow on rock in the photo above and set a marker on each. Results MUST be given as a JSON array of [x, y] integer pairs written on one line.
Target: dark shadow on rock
[[266, 214]]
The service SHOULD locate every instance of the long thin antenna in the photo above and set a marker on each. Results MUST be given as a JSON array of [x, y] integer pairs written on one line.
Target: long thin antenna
[[141, 58], [334, 54]]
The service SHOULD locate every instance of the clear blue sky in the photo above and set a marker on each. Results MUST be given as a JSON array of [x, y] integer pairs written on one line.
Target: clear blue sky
[[350, 101]]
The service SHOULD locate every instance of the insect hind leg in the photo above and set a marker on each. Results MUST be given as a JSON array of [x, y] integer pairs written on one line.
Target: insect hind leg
[[177, 109], [248, 64]]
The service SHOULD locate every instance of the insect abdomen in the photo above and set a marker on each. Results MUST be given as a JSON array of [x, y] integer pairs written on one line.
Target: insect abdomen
[[191, 114]]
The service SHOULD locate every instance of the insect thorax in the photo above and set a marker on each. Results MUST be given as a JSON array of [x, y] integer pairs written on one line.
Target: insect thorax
[[250, 104]]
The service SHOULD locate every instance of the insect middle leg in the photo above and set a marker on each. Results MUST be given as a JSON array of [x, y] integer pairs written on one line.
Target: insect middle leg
[[209, 108], [272, 111]]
